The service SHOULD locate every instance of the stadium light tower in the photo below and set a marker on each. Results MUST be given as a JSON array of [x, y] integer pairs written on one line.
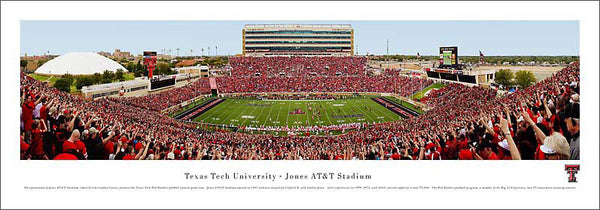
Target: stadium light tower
[[216, 51], [387, 52], [387, 46]]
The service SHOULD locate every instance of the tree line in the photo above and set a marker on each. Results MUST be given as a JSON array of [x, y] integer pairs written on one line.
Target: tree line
[[507, 78], [162, 67], [487, 59], [65, 82]]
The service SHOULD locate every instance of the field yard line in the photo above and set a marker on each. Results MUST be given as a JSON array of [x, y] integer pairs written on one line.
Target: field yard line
[[307, 117], [256, 117], [327, 113], [363, 111], [240, 113], [278, 112], [343, 108], [268, 115], [287, 118], [297, 116], [205, 117], [350, 108], [214, 110], [260, 114], [385, 110], [372, 115], [224, 121], [252, 112]]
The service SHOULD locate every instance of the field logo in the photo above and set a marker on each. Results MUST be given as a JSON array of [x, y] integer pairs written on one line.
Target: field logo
[[572, 170]]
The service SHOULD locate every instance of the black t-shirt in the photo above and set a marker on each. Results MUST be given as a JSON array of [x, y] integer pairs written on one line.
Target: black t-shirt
[[94, 148], [371, 156], [120, 155]]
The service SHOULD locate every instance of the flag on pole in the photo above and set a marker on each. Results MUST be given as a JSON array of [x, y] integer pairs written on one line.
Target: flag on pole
[[480, 57], [418, 55]]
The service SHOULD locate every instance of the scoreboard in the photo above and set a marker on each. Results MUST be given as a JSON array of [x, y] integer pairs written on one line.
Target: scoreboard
[[449, 56]]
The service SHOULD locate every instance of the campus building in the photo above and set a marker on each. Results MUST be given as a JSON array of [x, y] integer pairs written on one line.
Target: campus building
[[298, 40], [140, 86]]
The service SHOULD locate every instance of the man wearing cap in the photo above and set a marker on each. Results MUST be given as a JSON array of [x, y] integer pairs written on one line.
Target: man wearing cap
[[484, 152], [572, 121], [93, 144], [70, 150], [555, 147]]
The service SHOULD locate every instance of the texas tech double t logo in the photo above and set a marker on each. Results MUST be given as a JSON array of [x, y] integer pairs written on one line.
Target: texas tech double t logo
[[572, 170]]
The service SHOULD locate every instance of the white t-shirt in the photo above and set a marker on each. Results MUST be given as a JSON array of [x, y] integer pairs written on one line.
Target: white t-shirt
[[36, 111], [540, 119]]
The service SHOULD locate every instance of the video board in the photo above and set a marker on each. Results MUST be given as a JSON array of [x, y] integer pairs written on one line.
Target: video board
[[449, 56]]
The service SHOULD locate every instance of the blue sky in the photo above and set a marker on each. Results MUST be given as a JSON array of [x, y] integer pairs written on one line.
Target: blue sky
[[405, 37]]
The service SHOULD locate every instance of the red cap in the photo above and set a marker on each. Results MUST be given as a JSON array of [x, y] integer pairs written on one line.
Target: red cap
[[465, 154], [496, 129], [138, 146], [24, 146], [124, 140], [65, 156], [109, 147]]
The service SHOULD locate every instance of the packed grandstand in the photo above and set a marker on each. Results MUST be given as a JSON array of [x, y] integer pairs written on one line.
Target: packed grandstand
[[462, 122]]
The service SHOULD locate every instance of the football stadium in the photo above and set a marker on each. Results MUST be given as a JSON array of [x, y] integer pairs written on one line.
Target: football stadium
[[299, 92]]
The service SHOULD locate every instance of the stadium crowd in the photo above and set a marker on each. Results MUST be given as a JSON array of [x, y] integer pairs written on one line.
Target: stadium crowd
[[538, 122], [297, 66], [168, 98]]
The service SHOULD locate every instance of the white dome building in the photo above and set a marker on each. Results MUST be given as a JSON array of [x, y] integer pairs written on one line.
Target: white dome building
[[79, 63]]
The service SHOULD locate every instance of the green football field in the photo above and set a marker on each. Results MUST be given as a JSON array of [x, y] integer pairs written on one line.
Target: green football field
[[251, 112]]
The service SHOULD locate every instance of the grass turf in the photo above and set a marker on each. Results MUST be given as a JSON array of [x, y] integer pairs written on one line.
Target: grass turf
[[252, 112], [421, 94], [39, 77]]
